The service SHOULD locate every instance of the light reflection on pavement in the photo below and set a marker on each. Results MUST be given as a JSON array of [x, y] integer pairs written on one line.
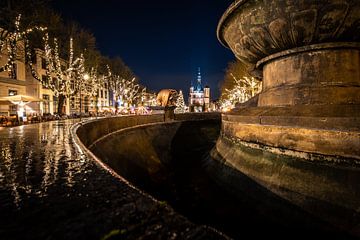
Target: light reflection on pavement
[[36, 157]]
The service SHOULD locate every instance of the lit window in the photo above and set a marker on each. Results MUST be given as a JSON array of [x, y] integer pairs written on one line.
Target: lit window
[[12, 92]]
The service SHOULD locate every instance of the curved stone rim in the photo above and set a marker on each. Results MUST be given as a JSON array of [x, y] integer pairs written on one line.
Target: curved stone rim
[[224, 18], [307, 48]]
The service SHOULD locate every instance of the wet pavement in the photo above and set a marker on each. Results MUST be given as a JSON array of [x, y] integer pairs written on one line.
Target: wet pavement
[[50, 190]]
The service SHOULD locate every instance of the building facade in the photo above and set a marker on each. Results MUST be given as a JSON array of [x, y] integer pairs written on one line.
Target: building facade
[[103, 100], [12, 82], [199, 96]]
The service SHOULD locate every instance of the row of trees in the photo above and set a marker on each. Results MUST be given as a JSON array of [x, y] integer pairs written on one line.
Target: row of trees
[[40, 13], [85, 69], [238, 86]]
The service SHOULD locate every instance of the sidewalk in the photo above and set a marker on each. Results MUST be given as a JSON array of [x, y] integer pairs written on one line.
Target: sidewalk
[[48, 190]]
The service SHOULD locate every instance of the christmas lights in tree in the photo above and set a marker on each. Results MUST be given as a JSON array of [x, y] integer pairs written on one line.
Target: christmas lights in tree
[[92, 83], [132, 91], [180, 103], [125, 91], [65, 78], [244, 89], [11, 42]]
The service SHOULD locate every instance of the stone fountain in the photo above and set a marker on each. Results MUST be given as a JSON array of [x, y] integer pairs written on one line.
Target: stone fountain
[[300, 139]]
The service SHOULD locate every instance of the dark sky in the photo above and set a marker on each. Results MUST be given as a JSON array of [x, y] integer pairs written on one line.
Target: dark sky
[[163, 42]]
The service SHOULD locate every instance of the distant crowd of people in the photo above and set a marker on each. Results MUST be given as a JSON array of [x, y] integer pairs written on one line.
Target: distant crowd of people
[[14, 120]]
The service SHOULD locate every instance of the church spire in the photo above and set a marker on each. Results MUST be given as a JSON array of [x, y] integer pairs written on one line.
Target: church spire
[[199, 76], [198, 84]]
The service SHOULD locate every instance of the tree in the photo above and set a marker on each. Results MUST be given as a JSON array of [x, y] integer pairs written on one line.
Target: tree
[[238, 85], [64, 78], [244, 88], [117, 66], [236, 68], [15, 42], [33, 13], [125, 91], [180, 103]]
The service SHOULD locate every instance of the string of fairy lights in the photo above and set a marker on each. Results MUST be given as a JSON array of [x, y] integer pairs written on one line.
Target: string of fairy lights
[[11, 43], [65, 78], [244, 88], [125, 91]]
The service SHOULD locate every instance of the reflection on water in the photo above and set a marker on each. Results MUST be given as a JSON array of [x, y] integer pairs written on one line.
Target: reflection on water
[[29, 167]]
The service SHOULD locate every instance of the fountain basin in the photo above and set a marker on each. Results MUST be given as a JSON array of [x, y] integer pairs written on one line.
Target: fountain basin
[[255, 29], [176, 167]]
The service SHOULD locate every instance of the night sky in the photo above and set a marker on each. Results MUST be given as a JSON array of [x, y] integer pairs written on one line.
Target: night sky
[[163, 42]]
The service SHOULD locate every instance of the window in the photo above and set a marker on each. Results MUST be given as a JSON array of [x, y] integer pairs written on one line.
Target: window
[[12, 109], [43, 63], [56, 101], [101, 93], [45, 81], [106, 94], [46, 103], [12, 92], [105, 85]]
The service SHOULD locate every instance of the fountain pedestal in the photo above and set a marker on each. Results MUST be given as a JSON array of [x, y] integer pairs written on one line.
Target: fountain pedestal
[[319, 74], [302, 140]]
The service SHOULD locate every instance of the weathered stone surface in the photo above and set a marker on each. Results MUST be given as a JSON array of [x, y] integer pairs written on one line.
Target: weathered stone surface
[[332, 131], [254, 29], [327, 142], [311, 68], [322, 74], [96, 129], [326, 189], [332, 117], [302, 140], [90, 132]]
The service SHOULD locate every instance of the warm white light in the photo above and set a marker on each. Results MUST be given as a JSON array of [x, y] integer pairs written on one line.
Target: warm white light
[[86, 76]]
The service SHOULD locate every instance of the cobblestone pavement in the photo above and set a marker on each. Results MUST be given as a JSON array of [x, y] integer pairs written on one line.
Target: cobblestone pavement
[[50, 190]]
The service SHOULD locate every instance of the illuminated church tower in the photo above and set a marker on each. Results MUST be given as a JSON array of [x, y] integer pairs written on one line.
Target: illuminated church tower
[[199, 97]]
